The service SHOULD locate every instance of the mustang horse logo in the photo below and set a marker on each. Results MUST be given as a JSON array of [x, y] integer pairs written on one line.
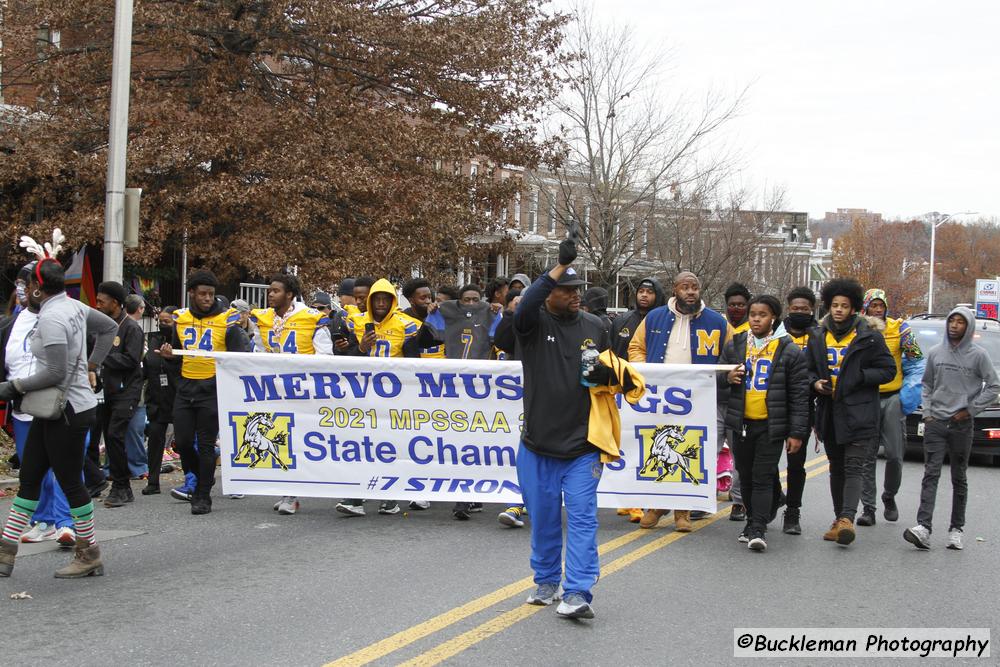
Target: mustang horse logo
[[258, 443], [669, 452]]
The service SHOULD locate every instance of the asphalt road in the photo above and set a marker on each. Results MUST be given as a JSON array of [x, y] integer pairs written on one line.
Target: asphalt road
[[244, 586]]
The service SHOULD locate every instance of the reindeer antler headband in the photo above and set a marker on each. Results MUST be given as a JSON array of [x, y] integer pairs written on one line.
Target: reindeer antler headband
[[46, 253]]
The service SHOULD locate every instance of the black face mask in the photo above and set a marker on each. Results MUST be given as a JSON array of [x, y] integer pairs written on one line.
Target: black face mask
[[798, 321], [166, 332]]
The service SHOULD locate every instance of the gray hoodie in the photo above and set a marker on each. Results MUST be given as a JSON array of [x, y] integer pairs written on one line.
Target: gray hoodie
[[959, 376]]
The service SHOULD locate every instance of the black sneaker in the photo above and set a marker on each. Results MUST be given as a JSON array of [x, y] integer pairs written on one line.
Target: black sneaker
[[201, 504], [757, 543], [475, 507], [129, 496], [116, 498], [151, 490], [744, 535], [891, 512], [790, 524], [867, 518], [739, 513], [697, 514], [461, 511]]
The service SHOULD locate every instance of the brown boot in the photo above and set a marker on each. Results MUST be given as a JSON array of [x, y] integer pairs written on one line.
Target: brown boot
[[8, 550], [86, 562], [831, 535], [682, 521], [845, 531], [651, 518]]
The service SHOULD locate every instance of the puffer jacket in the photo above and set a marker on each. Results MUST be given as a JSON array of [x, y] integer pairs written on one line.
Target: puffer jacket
[[851, 414], [788, 394]]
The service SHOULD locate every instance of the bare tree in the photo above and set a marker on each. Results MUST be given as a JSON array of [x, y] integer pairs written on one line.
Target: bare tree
[[628, 149], [721, 237]]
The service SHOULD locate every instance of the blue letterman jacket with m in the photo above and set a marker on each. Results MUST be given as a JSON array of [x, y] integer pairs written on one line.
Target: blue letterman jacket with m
[[710, 331]]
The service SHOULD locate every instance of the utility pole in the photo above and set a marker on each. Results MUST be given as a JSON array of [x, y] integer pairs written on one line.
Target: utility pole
[[114, 202]]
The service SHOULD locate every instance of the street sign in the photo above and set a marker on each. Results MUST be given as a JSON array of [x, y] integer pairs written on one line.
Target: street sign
[[986, 291], [987, 298]]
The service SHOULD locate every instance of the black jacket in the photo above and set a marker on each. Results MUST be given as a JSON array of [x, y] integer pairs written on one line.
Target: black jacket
[[556, 404], [121, 372], [623, 327], [788, 394], [161, 384], [852, 413], [503, 336]]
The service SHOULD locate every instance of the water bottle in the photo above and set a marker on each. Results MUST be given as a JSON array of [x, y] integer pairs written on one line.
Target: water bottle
[[588, 361]]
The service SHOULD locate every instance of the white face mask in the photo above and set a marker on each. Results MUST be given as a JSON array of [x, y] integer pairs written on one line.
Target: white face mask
[[22, 291]]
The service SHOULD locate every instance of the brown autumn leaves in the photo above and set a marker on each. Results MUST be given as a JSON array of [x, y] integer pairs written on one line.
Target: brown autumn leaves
[[315, 133]]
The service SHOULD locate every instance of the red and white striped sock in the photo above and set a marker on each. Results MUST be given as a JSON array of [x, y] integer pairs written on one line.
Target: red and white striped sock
[[83, 522], [19, 519]]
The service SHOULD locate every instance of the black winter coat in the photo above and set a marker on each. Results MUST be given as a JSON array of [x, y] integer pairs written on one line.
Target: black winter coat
[[787, 390], [159, 396], [852, 413], [121, 372]]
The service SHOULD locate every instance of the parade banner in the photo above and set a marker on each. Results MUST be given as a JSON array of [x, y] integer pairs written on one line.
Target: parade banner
[[442, 430]]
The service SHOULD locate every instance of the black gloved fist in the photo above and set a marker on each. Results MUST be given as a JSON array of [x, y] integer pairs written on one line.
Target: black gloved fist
[[602, 375], [567, 252], [8, 391]]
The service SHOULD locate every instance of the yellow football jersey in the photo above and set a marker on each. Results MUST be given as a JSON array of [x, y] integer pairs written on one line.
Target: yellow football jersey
[[835, 353], [391, 333], [893, 338], [294, 335], [758, 375], [740, 329], [436, 352], [206, 333], [801, 341]]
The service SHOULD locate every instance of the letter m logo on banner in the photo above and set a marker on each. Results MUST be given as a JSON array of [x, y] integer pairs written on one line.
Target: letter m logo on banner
[[672, 453], [262, 440]]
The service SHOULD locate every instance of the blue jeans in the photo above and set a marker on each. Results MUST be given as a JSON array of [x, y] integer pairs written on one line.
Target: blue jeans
[[135, 439], [546, 483], [53, 508]]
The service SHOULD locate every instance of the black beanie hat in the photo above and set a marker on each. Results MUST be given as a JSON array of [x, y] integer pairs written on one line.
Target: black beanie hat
[[115, 290]]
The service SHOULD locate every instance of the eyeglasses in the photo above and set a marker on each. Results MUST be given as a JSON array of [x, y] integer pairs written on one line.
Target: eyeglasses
[[320, 306]]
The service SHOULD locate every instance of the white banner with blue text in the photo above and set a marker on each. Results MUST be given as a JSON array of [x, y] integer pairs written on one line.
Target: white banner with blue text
[[437, 429]]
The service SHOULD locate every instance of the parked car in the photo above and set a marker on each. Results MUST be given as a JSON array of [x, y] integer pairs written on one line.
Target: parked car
[[930, 330]]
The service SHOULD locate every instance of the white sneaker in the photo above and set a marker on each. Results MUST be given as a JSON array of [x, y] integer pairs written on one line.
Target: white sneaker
[[420, 504], [918, 536], [66, 537], [40, 532], [350, 510], [955, 539], [288, 505]]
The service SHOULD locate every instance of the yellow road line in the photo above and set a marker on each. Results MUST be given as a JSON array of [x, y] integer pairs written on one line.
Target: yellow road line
[[415, 633], [456, 645]]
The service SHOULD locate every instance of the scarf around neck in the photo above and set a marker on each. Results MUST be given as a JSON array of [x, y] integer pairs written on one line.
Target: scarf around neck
[[842, 329]]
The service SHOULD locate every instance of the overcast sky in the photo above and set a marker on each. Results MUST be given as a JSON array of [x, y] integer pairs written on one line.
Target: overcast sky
[[887, 105]]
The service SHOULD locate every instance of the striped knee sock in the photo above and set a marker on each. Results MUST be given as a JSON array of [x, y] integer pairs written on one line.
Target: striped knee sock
[[19, 519], [83, 522]]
